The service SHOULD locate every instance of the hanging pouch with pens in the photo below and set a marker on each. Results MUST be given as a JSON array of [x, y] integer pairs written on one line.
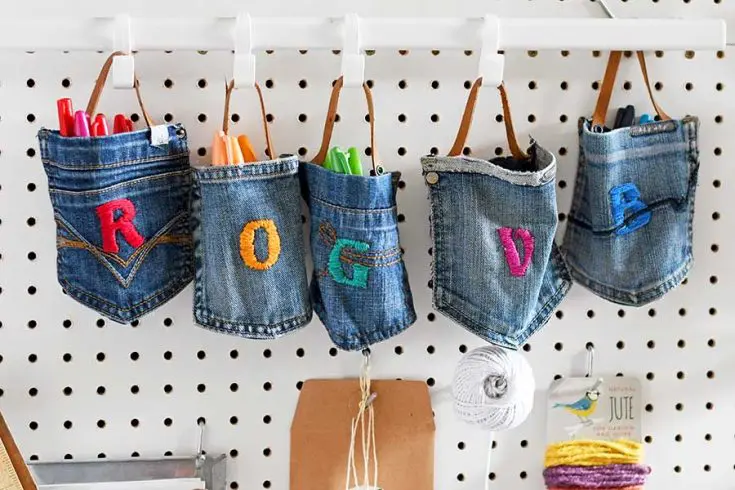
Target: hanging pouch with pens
[[360, 286], [496, 268], [249, 250], [121, 205], [629, 233]]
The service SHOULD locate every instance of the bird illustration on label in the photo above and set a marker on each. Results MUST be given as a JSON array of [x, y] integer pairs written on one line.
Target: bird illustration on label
[[585, 406]]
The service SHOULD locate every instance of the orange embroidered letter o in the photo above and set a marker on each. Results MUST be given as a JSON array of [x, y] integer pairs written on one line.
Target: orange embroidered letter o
[[247, 244]]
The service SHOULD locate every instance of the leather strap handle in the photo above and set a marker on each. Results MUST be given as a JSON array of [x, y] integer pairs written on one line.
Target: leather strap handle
[[226, 119], [464, 127], [331, 118], [608, 83], [100, 84]]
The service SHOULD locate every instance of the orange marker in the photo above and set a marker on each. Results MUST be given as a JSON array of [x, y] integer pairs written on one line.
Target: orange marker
[[235, 154], [246, 148]]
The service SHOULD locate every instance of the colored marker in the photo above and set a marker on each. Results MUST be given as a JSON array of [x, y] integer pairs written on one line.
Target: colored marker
[[99, 126], [119, 125], [246, 148], [66, 116], [81, 126]]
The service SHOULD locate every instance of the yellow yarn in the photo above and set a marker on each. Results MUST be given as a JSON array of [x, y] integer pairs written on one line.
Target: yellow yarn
[[594, 453]]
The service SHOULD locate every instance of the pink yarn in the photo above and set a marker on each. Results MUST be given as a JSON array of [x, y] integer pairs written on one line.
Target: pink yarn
[[517, 269]]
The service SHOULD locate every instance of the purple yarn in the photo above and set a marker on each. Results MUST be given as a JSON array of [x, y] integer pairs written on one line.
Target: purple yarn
[[608, 476]]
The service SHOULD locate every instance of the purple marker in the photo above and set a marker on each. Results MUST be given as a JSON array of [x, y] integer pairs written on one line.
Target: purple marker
[[81, 124]]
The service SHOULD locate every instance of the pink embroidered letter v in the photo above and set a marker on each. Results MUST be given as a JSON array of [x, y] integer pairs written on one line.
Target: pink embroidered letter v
[[511, 252]]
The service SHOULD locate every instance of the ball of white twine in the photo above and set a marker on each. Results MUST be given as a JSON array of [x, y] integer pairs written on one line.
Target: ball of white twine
[[493, 387]]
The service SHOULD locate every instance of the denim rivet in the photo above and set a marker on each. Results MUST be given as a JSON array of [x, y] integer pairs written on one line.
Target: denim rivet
[[181, 132], [432, 178]]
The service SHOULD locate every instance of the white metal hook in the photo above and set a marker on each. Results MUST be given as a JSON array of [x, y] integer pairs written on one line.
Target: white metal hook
[[123, 67], [353, 62], [200, 443], [243, 69], [590, 360], [492, 64]]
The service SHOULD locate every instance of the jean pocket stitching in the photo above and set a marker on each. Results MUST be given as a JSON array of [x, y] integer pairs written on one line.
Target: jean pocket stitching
[[124, 163], [137, 257], [352, 210], [123, 185]]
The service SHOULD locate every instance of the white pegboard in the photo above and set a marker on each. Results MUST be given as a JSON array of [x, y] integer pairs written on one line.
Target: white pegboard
[[75, 386]]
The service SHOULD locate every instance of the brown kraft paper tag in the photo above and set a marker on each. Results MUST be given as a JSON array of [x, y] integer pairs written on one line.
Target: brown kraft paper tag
[[404, 434]]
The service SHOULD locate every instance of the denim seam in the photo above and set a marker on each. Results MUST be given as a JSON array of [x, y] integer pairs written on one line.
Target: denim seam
[[537, 178], [249, 330], [125, 163], [639, 297], [126, 281], [178, 284], [122, 185], [356, 211], [379, 335], [673, 202]]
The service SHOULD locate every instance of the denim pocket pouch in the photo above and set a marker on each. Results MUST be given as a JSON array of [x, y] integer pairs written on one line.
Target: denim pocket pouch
[[121, 207], [629, 234], [496, 269], [249, 249], [360, 286]]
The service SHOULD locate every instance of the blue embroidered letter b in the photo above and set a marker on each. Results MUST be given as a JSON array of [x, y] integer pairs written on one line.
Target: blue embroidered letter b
[[625, 199]]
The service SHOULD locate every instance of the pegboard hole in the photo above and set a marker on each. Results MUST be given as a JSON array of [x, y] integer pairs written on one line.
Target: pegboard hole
[[101, 390], [650, 376], [590, 313], [689, 86], [620, 345], [267, 386], [401, 118], [651, 344], [333, 352], [201, 387], [435, 84], [527, 348], [680, 375], [201, 355], [234, 387], [558, 346], [168, 389], [398, 350], [202, 83], [234, 354], [402, 84], [300, 352], [430, 349], [681, 343], [462, 349], [431, 382]]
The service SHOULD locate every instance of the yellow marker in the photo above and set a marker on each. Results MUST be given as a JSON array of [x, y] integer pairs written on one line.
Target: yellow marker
[[247, 244]]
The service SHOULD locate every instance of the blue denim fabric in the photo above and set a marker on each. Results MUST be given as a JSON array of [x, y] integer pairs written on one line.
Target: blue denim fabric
[[496, 269], [249, 249], [135, 194], [629, 236], [360, 286]]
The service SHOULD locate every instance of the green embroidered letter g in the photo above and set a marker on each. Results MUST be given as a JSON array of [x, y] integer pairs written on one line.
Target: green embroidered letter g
[[359, 272]]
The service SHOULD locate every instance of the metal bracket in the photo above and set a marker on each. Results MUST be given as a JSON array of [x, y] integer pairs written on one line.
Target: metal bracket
[[353, 62], [123, 67], [243, 68], [492, 64]]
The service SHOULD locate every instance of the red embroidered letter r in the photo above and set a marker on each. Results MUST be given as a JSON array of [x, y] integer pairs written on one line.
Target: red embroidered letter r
[[123, 224]]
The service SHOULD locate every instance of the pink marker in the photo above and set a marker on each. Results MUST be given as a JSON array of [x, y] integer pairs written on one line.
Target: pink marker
[[81, 126]]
